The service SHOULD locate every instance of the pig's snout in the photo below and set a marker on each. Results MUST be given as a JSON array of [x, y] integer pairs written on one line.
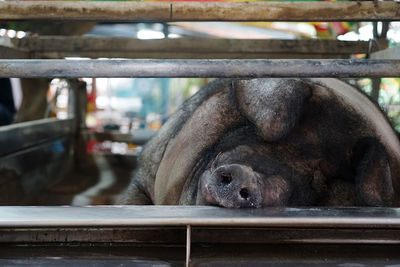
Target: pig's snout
[[225, 180], [233, 186]]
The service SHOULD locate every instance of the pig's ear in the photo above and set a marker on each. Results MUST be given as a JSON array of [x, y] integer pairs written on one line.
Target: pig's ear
[[372, 173], [273, 105]]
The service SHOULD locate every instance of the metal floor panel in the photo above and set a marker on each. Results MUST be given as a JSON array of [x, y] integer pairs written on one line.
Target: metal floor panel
[[202, 255]]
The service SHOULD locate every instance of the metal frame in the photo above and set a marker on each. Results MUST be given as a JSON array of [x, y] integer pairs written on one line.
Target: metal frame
[[195, 11], [249, 233], [198, 225]]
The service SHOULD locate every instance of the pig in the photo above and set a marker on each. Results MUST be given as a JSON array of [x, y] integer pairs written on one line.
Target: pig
[[241, 143]]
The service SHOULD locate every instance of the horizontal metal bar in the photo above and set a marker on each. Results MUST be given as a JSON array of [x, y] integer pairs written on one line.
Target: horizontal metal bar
[[117, 216], [195, 11], [217, 68], [19, 136]]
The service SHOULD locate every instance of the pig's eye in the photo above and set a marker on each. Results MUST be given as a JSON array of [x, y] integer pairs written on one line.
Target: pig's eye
[[226, 178]]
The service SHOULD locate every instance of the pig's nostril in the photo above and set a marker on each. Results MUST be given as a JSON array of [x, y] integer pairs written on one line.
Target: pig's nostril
[[226, 178], [244, 193]]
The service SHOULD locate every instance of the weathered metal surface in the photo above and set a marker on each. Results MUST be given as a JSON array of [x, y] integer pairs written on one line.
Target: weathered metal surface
[[217, 68], [151, 235], [19, 136], [286, 11], [102, 216], [195, 11], [182, 48], [83, 255], [295, 255], [104, 11]]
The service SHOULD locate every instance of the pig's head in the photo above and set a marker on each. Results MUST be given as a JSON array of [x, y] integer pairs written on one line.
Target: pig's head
[[241, 178]]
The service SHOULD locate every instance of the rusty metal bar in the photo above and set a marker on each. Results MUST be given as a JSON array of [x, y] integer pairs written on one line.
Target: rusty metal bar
[[120, 216], [200, 11], [217, 68]]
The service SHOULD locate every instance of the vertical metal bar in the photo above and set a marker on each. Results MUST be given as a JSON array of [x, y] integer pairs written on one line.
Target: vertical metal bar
[[376, 84], [72, 102], [188, 244]]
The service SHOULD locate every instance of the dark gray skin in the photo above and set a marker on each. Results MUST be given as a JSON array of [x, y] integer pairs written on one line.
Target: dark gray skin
[[271, 142]]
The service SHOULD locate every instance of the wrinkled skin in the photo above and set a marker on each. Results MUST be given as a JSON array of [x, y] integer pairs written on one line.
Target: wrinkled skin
[[271, 142]]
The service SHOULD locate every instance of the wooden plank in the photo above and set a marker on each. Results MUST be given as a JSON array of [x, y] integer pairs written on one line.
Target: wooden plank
[[201, 11]]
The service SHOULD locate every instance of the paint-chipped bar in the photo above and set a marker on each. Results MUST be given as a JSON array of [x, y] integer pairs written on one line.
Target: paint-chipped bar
[[216, 68]]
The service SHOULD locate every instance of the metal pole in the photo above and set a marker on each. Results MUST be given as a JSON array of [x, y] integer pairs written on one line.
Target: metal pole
[[188, 244], [200, 11], [217, 68]]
